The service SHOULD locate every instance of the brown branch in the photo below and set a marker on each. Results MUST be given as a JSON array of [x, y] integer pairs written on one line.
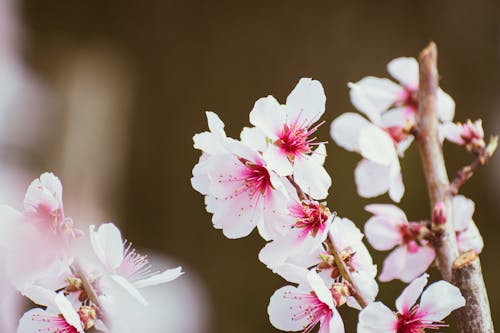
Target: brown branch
[[432, 158], [473, 317], [340, 263], [79, 272], [438, 187]]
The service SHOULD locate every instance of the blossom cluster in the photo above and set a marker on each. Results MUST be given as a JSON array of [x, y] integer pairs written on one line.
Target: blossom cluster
[[273, 179], [75, 279]]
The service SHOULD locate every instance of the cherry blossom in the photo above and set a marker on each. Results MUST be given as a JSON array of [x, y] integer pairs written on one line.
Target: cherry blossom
[[469, 134], [373, 96], [302, 308], [60, 316], [125, 266], [288, 129], [312, 222], [389, 228], [436, 303], [379, 171]]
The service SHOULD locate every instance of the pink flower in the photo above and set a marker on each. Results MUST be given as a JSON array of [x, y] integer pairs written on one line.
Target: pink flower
[[469, 134], [436, 303], [390, 228], [373, 96], [312, 222], [288, 130], [302, 308], [43, 205], [468, 236], [125, 266], [60, 316], [379, 171]]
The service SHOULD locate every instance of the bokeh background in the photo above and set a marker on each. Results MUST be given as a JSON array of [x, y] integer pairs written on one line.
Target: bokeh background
[[108, 94]]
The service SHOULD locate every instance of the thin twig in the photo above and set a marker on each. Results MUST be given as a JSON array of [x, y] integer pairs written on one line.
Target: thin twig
[[438, 187], [79, 272], [465, 173], [340, 263]]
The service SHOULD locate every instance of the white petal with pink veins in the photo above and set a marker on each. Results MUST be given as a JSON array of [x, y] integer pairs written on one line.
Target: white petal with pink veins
[[373, 95], [163, 277], [278, 161], [388, 211], [107, 244], [312, 177], [346, 129], [377, 146], [463, 209], [446, 106], [377, 318], [268, 115], [405, 70], [306, 101], [372, 179], [470, 239], [383, 233], [282, 309], [439, 299], [411, 293]]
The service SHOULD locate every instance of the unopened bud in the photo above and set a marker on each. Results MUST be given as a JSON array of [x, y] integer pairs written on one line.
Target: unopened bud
[[439, 213], [339, 291], [88, 315]]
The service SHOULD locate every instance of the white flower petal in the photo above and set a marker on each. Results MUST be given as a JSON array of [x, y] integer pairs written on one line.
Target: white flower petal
[[372, 179], [439, 299], [470, 239], [215, 124], [377, 318], [107, 244], [377, 145], [405, 70], [282, 309], [268, 115], [312, 177], [372, 96], [319, 287], [277, 161], [411, 293], [254, 138], [446, 106], [163, 277], [383, 233], [463, 209], [306, 102], [346, 129]]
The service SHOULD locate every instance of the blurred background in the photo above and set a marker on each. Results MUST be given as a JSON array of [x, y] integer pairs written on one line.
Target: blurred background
[[108, 94]]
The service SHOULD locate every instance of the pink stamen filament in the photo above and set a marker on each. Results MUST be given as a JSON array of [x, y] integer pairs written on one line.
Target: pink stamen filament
[[56, 324], [315, 310]]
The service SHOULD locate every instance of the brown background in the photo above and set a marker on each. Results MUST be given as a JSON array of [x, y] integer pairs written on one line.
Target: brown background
[[185, 57]]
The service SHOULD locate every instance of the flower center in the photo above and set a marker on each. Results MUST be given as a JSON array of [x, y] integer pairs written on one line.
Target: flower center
[[294, 139], [134, 265], [413, 322], [311, 216], [257, 178]]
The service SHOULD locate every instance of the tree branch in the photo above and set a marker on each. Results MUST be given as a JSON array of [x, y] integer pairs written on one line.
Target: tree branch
[[438, 187]]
